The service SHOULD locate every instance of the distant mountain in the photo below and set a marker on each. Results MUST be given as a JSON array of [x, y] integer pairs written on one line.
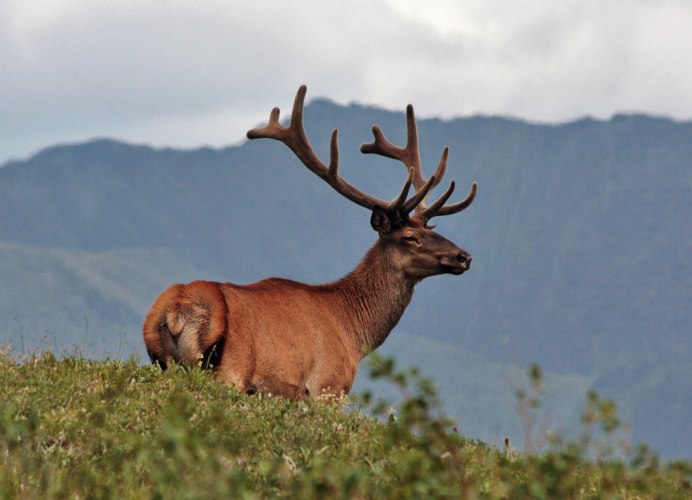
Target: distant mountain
[[581, 236]]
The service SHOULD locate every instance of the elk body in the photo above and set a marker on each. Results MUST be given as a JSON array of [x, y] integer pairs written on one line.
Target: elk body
[[300, 341]]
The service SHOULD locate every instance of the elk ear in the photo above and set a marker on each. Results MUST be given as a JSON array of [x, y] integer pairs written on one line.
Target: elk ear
[[380, 221]]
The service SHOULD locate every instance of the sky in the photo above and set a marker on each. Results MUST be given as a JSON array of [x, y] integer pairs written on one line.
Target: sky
[[188, 73]]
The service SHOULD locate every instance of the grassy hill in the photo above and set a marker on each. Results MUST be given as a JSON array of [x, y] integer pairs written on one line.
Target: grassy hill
[[73, 427]]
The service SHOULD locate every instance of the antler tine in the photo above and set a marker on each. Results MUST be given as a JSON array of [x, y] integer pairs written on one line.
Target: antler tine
[[439, 207], [333, 170], [412, 148], [401, 205], [295, 138], [429, 212], [442, 165], [398, 203], [416, 200], [273, 128], [408, 155]]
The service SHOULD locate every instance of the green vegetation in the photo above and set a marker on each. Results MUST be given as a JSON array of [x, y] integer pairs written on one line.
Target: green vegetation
[[73, 427]]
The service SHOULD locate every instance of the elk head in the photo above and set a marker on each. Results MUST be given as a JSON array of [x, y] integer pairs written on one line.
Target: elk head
[[402, 223]]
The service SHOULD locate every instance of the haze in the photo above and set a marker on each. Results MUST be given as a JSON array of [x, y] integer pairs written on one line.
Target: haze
[[191, 73]]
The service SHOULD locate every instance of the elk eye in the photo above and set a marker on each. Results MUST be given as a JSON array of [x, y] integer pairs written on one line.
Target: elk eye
[[411, 238]]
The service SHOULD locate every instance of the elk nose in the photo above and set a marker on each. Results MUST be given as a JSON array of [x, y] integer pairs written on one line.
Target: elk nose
[[464, 258]]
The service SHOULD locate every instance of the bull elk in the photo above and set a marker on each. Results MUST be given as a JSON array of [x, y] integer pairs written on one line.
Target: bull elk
[[300, 341]]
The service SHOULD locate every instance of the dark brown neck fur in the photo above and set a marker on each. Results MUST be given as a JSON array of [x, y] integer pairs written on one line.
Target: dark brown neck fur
[[374, 296]]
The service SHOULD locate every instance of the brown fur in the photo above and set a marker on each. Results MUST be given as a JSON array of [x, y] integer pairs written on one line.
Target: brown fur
[[283, 337], [302, 341]]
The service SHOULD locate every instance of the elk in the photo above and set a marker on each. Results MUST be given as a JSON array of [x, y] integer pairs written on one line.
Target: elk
[[301, 341]]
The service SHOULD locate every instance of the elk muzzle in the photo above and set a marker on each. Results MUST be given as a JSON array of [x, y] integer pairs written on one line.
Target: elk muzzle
[[457, 262]]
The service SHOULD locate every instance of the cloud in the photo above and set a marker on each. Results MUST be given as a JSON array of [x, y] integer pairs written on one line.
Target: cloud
[[187, 73]]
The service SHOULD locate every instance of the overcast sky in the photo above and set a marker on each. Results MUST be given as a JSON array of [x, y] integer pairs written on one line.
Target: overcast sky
[[188, 73]]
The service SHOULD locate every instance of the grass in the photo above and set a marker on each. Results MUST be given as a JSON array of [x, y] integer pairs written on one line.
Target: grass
[[73, 427]]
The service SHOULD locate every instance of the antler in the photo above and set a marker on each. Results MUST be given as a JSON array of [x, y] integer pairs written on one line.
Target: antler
[[295, 138], [410, 157]]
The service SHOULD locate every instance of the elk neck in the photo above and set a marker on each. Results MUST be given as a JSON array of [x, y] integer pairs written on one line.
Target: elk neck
[[374, 296]]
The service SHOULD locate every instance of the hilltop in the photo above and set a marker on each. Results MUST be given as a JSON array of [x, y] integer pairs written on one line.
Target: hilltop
[[74, 427]]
